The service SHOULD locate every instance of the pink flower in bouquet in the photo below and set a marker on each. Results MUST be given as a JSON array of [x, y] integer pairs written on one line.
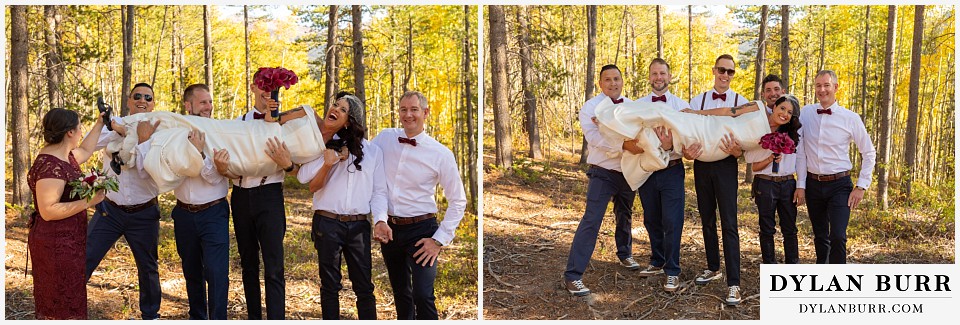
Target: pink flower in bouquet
[[778, 142], [270, 79]]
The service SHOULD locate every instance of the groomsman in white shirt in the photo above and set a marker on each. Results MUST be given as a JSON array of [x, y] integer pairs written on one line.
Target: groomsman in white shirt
[[131, 212], [663, 194], [201, 220], [828, 129], [347, 185], [716, 187], [260, 221], [414, 163], [606, 183]]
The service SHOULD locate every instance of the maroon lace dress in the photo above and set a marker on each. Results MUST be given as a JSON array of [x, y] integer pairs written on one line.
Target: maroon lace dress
[[58, 248]]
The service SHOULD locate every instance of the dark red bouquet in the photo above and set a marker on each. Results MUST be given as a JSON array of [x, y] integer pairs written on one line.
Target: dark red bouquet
[[780, 143], [271, 79]]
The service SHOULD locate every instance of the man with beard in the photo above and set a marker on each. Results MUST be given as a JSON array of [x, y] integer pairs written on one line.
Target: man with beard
[[662, 195], [201, 221]]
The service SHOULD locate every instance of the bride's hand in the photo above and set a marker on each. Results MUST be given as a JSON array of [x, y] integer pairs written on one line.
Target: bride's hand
[[330, 157]]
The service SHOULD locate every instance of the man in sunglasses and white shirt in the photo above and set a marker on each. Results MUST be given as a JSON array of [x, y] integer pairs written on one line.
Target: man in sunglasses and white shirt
[[131, 212], [716, 186]]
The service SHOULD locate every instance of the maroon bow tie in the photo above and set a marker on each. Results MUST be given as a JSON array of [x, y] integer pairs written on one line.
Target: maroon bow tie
[[824, 111], [258, 116], [720, 96], [661, 98], [618, 101], [410, 141]]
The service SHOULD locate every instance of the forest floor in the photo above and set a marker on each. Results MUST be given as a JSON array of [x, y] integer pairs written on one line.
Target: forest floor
[[113, 294], [531, 214]]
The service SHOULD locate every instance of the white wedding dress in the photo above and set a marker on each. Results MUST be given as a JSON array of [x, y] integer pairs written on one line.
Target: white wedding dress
[[171, 157], [636, 120]]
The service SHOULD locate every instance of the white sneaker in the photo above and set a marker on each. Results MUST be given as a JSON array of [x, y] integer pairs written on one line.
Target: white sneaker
[[576, 287], [673, 283], [733, 296], [650, 271], [630, 264], [708, 276]]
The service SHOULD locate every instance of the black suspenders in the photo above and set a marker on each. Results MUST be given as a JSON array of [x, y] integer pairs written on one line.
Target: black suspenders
[[736, 100]]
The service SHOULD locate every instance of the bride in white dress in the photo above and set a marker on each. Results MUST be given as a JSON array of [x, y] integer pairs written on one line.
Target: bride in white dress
[[170, 157], [637, 120]]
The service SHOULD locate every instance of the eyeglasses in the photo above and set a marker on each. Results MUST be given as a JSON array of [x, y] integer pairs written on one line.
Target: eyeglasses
[[146, 97], [726, 71]]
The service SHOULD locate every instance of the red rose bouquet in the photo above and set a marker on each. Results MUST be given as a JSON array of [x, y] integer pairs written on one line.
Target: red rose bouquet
[[780, 143], [271, 79], [88, 185]]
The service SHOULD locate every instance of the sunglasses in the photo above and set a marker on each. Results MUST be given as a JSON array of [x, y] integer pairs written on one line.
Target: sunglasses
[[146, 97], [726, 71]]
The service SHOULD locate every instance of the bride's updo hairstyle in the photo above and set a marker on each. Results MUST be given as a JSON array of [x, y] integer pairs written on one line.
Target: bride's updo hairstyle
[[57, 122]]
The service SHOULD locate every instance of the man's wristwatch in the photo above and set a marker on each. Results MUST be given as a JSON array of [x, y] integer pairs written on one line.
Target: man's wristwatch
[[437, 242], [290, 169], [864, 189]]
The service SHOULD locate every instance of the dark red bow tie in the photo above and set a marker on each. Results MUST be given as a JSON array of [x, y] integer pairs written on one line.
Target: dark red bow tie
[[410, 141], [618, 101], [661, 98], [258, 116], [824, 111], [720, 96]]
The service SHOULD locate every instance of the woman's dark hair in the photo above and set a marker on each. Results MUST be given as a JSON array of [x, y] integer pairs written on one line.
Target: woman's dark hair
[[57, 122], [352, 135], [792, 127]]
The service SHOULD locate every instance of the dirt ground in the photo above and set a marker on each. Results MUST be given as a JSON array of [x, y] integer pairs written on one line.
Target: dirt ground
[[531, 214], [112, 291]]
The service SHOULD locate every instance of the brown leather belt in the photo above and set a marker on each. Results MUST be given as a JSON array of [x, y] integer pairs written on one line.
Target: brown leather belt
[[133, 208], [827, 178], [776, 179], [198, 207], [674, 162], [402, 221], [340, 217]]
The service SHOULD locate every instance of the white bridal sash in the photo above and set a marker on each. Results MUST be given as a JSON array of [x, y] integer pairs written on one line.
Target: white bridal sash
[[636, 120], [171, 157]]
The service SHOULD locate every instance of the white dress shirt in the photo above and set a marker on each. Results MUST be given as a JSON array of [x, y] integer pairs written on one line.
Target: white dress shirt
[[599, 151], [413, 173], [135, 185], [251, 182], [827, 144], [348, 190], [788, 163], [705, 100], [677, 104]]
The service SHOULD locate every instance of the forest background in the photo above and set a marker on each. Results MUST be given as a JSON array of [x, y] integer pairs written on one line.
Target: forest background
[[896, 68], [66, 56]]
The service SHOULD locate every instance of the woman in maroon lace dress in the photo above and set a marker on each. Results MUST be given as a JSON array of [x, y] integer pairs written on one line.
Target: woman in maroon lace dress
[[58, 228]]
